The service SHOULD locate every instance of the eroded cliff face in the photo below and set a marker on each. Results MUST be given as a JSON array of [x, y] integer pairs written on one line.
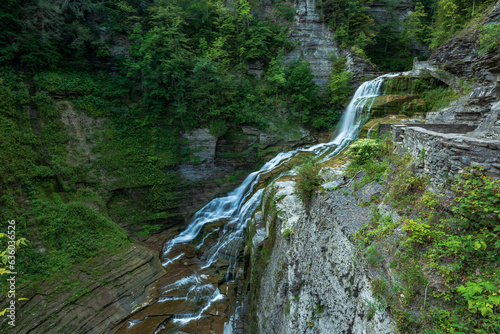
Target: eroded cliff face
[[460, 55], [314, 41], [84, 304], [313, 281], [459, 63]]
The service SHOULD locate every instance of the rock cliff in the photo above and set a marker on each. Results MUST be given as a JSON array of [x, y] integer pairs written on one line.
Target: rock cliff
[[313, 281], [314, 40], [96, 305]]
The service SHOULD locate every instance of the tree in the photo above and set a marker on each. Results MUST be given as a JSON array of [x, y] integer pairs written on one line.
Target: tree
[[302, 89], [349, 20], [161, 57], [414, 28]]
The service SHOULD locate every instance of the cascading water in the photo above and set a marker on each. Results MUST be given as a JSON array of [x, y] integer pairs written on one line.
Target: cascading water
[[235, 210]]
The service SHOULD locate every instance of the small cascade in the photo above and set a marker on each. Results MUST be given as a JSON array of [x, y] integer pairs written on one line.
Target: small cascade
[[235, 210]]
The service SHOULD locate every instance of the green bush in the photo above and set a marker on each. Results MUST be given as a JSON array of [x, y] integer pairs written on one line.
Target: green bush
[[339, 87], [438, 98], [489, 37], [307, 180], [363, 150], [218, 128], [76, 231], [478, 199]]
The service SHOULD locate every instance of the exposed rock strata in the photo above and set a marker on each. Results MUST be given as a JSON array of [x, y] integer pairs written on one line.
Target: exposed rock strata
[[209, 153], [460, 55], [314, 283], [314, 39], [97, 305]]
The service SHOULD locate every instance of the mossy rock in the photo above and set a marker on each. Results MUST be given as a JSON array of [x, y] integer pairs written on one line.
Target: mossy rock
[[390, 104]]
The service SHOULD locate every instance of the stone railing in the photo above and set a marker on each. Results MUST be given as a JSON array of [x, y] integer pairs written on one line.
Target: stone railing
[[441, 128], [441, 156]]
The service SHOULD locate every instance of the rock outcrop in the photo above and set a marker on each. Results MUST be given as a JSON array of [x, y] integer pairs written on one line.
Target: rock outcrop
[[314, 39], [460, 55], [83, 304], [313, 281]]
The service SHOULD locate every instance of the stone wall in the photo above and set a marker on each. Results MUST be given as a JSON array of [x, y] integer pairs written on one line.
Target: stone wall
[[441, 128], [441, 156]]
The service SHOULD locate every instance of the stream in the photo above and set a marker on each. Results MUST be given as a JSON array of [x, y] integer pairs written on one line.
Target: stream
[[197, 294]]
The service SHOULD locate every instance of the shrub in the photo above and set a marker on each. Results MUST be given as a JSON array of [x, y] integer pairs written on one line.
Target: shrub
[[489, 37], [218, 128], [308, 180], [406, 186], [364, 150], [478, 199]]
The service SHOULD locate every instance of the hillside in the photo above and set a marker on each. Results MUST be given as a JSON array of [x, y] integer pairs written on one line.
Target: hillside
[[122, 119]]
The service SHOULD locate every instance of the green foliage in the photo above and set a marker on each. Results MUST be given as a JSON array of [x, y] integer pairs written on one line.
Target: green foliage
[[489, 38], [373, 254], [364, 154], [303, 91], [438, 98], [364, 150], [414, 25], [391, 49], [218, 128], [379, 286], [418, 231], [307, 180], [340, 83], [287, 233], [446, 262], [481, 297], [190, 61], [148, 229], [380, 228], [406, 186], [452, 15], [478, 200], [349, 20], [41, 34], [73, 231], [66, 83]]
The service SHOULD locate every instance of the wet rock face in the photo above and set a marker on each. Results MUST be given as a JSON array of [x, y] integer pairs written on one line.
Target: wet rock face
[[202, 145], [314, 283], [240, 148]]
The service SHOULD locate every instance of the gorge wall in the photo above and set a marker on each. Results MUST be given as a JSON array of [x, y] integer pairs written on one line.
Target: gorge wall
[[314, 41], [313, 281]]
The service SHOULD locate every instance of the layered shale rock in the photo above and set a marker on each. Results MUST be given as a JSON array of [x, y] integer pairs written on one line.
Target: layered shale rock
[[97, 305], [314, 41], [313, 281]]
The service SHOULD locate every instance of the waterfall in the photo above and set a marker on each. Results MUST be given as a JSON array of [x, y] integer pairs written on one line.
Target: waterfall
[[237, 207]]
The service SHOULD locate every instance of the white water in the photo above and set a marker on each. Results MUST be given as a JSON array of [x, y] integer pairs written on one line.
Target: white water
[[238, 206]]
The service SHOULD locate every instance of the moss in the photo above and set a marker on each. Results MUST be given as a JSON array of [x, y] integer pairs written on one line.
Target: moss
[[257, 262]]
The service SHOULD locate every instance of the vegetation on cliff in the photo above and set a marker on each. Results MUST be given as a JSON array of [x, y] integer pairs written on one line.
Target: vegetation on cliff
[[391, 40], [91, 134], [436, 267], [94, 96]]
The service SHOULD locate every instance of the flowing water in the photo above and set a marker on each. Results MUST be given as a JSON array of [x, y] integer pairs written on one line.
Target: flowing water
[[201, 261]]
